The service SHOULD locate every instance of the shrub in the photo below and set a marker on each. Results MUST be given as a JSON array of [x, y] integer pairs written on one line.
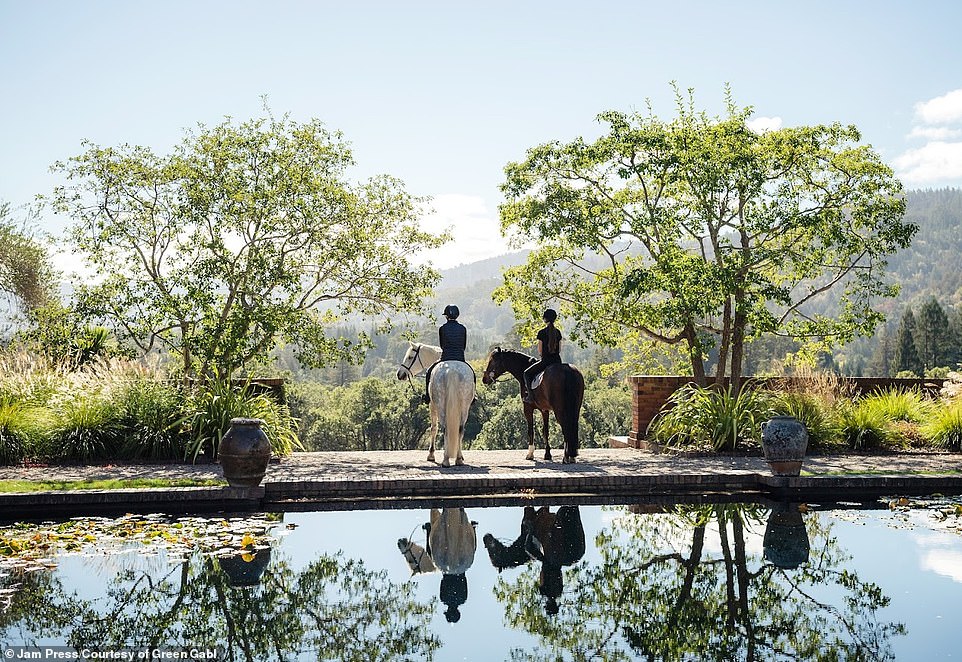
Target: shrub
[[210, 408], [944, 427], [607, 412], [695, 415]]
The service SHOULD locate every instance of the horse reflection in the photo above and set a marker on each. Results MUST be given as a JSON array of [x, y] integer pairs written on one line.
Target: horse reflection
[[451, 545], [555, 539]]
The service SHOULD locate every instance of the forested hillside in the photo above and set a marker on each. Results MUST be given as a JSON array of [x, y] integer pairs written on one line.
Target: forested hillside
[[927, 271]]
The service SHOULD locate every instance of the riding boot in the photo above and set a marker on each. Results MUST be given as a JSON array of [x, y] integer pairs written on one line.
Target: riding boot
[[526, 396]]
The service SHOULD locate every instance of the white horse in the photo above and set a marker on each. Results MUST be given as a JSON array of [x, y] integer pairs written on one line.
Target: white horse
[[451, 391]]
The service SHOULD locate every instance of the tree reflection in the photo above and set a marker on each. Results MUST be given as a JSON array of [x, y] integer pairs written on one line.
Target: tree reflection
[[335, 608], [683, 585]]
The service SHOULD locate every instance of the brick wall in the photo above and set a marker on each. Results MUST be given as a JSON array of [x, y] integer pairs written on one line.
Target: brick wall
[[650, 393]]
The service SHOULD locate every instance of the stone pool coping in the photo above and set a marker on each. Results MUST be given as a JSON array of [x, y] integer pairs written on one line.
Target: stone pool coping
[[399, 479]]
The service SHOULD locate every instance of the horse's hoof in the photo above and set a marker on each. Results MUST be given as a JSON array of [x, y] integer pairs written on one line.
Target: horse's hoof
[[431, 457], [529, 456], [547, 457], [459, 461], [445, 463], [568, 460]]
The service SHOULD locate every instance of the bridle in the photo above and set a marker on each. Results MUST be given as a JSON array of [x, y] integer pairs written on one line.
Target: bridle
[[414, 359], [493, 374], [409, 554]]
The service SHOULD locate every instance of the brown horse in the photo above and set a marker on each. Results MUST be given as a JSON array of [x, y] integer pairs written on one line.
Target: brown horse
[[562, 391]]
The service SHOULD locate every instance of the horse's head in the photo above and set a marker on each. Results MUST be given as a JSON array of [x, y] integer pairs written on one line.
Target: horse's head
[[417, 558], [495, 366], [409, 363]]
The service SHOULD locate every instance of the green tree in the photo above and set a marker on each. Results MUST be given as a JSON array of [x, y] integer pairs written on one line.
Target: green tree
[[933, 336], [26, 275], [705, 233], [906, 352], [245, 235]]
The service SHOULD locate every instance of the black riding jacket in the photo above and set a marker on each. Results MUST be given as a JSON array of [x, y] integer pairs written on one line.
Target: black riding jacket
[[453, 339]]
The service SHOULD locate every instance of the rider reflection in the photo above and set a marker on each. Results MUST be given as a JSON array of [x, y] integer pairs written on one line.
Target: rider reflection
[[554, 539]]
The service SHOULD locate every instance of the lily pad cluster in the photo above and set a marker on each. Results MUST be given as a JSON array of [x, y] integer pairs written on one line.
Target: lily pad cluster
[[36, 546], [937, 512]]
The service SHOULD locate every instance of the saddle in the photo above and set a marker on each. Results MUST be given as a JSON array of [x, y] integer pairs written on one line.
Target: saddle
[[536, 382]]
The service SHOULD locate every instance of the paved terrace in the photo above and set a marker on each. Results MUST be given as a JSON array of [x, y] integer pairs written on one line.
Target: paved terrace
[[397, 479]]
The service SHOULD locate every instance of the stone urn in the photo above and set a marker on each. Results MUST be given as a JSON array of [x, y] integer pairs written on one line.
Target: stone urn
[[244, 452], [245, 570], [784, 440], [785, 544]]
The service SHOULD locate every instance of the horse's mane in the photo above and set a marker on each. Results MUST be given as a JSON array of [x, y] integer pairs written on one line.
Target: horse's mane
[[514, 352]]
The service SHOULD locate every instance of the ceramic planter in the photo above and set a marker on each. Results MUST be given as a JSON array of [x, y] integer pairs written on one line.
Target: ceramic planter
[[784, 441], [244, 452]]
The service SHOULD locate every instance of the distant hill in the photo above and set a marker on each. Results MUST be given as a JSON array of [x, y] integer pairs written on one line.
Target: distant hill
[[490, 268], [930, 266]]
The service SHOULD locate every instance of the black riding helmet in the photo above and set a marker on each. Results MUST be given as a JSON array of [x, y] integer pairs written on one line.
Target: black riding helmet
[[451, 312], [549, 315]]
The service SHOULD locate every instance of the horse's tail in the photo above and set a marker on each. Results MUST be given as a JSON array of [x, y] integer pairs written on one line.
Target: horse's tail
[[574, 395]]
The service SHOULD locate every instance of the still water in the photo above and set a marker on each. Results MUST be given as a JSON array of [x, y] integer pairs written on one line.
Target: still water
[[538, 582]]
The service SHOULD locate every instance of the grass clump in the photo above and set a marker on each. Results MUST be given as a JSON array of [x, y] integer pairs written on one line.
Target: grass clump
[[211, 408], [898, 405], [944, 428], [863, 426], [698, 416]]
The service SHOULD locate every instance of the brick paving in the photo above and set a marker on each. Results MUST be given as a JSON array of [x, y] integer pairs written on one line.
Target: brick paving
[[394, 465], [313, 478]]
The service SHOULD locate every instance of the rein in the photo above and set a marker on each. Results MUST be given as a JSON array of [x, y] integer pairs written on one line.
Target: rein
[[414, 359]]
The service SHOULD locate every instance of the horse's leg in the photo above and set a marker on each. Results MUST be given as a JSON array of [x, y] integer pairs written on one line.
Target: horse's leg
[[434, 430], [544, 428], [460, 459], [529, 418]]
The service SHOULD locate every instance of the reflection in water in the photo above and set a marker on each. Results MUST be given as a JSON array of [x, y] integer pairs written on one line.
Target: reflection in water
[[658, 593], [254, 606], [554, 539], [690, 583], [786, 538], [451, 543]]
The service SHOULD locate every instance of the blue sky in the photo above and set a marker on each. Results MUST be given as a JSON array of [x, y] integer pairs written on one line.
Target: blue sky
[[444, 94]]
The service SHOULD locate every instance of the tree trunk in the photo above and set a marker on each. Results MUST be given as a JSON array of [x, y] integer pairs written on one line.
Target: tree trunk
[[725, 345], [738, 342], [694, 354]]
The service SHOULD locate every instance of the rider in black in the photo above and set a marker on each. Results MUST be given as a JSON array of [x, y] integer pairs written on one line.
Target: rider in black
[[453, 338], [549, 349]]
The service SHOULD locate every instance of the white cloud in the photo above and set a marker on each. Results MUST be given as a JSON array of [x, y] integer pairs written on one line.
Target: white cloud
[[934, 133], [945, 562], [475, 229], [763, 124], [939, 161], [934, 163], [945, 109]]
